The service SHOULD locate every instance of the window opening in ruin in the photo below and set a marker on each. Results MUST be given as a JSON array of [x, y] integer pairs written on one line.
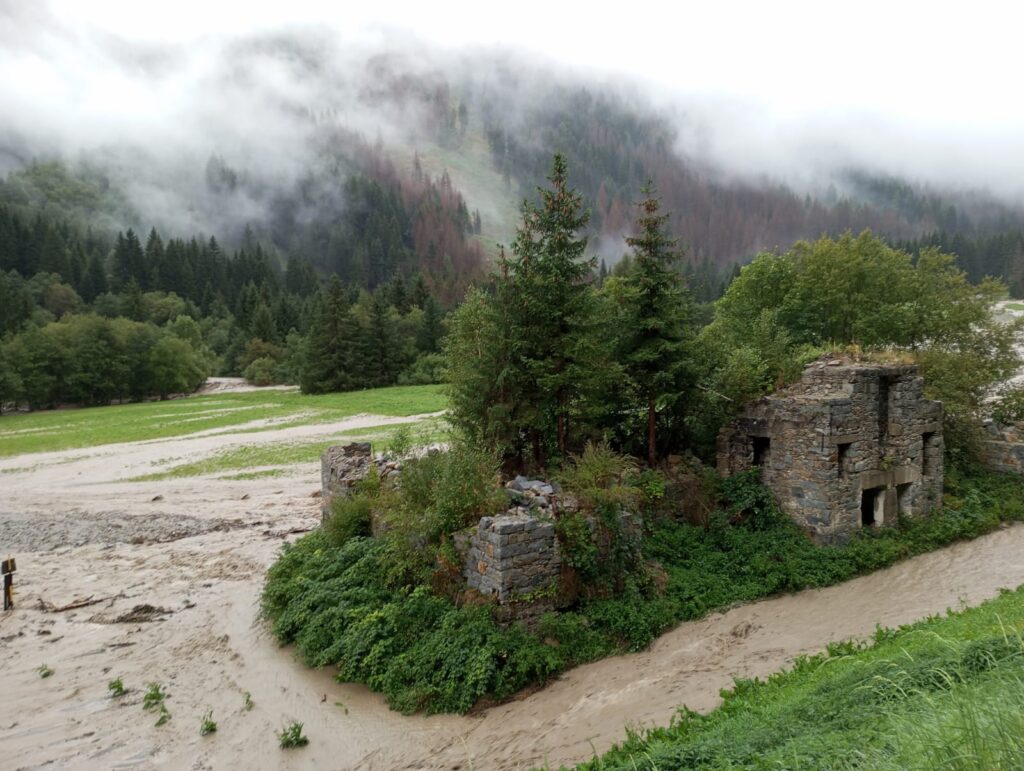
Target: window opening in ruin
[[762, 449], [868, 504], [926, 442], [883, 406], [843, 452], [903, 498]]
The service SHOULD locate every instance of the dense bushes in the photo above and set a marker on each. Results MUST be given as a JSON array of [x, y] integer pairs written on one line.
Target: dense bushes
[[350, 607], [420, 650], [89, 359]]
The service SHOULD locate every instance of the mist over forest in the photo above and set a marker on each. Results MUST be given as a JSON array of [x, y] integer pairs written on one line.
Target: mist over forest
[[230, 175], [256, 134]]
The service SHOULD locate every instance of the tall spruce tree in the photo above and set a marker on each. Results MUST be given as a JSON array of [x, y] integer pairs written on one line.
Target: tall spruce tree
[[552, 304], [519, 360], [94, 282], [380, 346], [329, 359], [655, 311]]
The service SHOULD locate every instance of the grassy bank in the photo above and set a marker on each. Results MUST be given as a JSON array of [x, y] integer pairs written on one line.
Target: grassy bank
[[942, 693], [87, 427], [340, 605]]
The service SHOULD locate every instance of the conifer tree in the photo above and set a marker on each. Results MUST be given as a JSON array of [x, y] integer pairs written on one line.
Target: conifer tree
[[652, 346], [428, 337], [380, 346], [329, 358], [551, 303], [94, 282], [53, 257]]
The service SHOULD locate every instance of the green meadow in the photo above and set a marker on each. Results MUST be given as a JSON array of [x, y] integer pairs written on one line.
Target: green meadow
[[51, 430]]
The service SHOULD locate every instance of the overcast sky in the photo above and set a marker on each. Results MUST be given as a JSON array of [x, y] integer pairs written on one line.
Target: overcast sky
[[929, 88]]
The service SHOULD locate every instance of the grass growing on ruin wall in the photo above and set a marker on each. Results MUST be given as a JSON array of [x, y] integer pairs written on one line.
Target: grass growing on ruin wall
[[423, 652], [946, 692], [65, 429]]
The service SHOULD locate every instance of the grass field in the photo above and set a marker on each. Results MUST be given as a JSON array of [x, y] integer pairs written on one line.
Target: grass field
[[947, 692], [72, 428]]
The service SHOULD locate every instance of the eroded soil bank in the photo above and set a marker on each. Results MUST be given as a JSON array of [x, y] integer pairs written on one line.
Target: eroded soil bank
[[179, 580]]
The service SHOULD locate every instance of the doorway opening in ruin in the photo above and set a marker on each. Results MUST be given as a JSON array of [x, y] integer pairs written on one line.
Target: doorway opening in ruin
[[762, 450], [870, 504], [903, 498]]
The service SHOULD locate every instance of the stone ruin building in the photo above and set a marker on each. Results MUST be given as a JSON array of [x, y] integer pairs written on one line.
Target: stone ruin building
[[850, 445]]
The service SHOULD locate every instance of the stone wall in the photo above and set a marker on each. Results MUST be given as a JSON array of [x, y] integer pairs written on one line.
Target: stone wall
[[512, 556], [1003, 447], [849, 445], [342, 467]]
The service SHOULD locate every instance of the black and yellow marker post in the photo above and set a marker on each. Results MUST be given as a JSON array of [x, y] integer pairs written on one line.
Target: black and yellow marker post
[[7, 568]]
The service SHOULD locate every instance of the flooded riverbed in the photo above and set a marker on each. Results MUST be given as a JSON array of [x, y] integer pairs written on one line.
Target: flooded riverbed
[[178, 581]]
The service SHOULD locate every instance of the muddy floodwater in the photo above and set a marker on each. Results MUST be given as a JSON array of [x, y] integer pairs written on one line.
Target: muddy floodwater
[[172, 572]]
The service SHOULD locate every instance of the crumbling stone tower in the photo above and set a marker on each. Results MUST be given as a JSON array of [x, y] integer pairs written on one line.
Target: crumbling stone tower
[[850, 445]]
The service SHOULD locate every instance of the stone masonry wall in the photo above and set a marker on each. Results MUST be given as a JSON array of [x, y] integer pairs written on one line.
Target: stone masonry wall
[[512, 556], [845, 438], [1003, 447], [342, 467]]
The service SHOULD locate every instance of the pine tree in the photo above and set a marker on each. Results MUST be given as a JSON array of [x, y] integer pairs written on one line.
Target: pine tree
[[551, 303], [154, 258], [53, 256], [398, 294], [262, 325], [329, 359], [94, 282], [129, 262], [428, 337], [655, 316], [420, 293], [380, 345]]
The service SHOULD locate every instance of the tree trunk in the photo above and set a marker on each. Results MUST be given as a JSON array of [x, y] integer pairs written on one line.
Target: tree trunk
[[652, 427]]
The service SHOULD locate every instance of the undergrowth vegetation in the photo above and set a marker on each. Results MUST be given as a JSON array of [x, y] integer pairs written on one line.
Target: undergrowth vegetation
[[941, 693], [382, 612]]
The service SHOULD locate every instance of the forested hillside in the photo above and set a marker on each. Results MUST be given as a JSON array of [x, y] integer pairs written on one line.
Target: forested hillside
[[320, 255]]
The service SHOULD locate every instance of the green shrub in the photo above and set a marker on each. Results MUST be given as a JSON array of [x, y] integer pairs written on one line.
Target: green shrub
[[207, 726], [291, 736], [598, 467], [428, 368], [349, 518], [154, 696], [262, 372], [400, 442], [1009, 407], [440, 493]]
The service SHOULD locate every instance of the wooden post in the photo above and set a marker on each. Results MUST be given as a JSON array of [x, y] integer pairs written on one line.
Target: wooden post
[[7, 568]]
